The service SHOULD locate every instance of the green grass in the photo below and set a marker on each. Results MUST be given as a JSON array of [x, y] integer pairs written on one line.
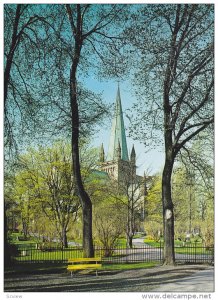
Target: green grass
[[191, 247], [192, 243], [25, 245], [57, 255], [38, 255], [139, 235], [152, 243], [192, 251], [28, 244], [130, 266], [177, 243], [121, 242]]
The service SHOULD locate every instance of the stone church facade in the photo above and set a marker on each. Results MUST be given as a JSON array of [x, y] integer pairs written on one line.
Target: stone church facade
[[117, 163]]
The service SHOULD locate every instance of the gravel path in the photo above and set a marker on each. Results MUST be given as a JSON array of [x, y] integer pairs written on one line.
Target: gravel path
[[141, 280], [201, 281]]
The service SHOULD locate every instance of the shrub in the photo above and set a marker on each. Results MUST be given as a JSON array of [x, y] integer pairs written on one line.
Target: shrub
[[154, 230], [49, 246], [22, 238], [149, 237]]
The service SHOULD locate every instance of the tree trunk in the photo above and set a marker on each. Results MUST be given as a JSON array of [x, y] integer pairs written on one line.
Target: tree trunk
[[25, 228], [83, 196], [7, 256], [168, 216], [13, 45], [88, 249], [64, 237], [130, 229], [129, 240]]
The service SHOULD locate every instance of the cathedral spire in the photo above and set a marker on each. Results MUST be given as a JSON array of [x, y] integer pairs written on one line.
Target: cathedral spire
[[118, 134], [133, 156], [118, 151], [101, 155]]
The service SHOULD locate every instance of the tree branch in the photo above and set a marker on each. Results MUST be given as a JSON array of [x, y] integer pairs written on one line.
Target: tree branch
[[178, 146]]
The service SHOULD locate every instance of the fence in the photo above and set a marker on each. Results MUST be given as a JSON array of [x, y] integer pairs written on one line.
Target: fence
[[187, 254]]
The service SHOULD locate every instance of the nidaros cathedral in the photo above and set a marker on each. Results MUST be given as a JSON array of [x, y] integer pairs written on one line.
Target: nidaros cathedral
[[119, 165]]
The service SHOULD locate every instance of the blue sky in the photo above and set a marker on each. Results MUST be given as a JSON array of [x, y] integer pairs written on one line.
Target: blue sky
[[152, 160], [148, 161]]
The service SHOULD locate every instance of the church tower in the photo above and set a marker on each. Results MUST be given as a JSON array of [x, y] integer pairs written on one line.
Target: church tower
[[121, 167], [118, 135], [117, 163]]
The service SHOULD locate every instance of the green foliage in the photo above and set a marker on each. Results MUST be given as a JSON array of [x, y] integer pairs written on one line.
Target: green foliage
[[193, 202], [208, 233], [44, 191], [44, 195], [153, 206], [153, 200], [48, 246], [149, 240], [109, 221], [121, 242]]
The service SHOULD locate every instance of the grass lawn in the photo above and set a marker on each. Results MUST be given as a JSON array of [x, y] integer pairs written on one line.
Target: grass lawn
[[38, 255], [57, 255], [152, 243], [28, 251], [192, 250], [183, 248], [130, 266]]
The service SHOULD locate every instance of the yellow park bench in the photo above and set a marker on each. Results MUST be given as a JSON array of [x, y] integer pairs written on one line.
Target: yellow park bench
[[93, 263]]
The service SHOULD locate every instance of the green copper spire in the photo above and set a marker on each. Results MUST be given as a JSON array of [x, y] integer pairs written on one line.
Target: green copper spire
[[118, 135]]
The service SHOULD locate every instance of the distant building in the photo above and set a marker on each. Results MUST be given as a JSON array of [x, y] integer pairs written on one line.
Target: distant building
[[117, 164]]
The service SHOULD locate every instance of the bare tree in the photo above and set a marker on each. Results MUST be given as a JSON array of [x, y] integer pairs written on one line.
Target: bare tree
[[22, 52], [88, 26], [133, 187], [20, 37], [176, 75], [72, 35]]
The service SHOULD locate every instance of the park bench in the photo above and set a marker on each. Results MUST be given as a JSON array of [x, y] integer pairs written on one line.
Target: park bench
[[93, 263]]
